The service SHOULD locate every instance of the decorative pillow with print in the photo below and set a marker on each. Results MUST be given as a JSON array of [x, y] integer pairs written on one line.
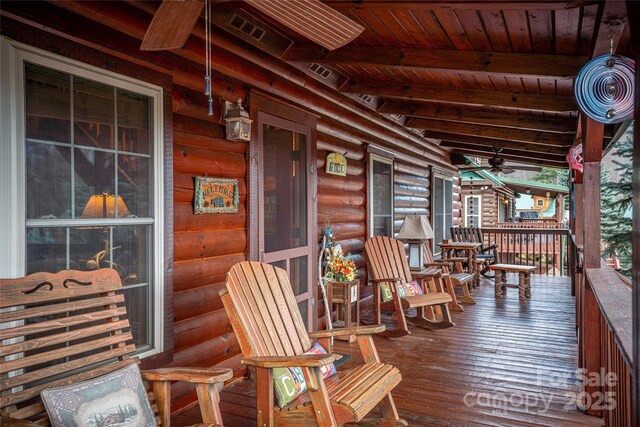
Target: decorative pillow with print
[[289, 382], [115, 399], [411, 289]]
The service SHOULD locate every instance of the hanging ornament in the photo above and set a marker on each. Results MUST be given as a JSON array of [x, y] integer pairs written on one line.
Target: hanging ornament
[[574, 158], [604, 88]]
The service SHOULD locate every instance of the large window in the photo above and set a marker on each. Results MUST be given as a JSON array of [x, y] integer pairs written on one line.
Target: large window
[[90, 165], [473, 209], [442, 210], [380, 196]]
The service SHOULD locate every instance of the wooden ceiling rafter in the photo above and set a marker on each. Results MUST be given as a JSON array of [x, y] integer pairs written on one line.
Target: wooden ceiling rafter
[[487, 98], [515, 156], [464, 61], [494, 132], [478, 141], [477, 116], [463, 5]]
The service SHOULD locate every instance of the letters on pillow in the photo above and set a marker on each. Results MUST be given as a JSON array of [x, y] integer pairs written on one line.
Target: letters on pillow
[[289, 382], [404, 290]]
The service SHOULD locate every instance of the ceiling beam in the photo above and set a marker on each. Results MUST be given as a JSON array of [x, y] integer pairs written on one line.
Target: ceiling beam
[[488, 98], [458, 114], [561, 152], [614, 18], [471, 4], [507, 155], [521, 64], [494, 132]]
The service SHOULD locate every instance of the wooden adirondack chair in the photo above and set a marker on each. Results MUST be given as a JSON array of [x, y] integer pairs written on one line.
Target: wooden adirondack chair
[[453, 276], [265, 317], [59, 329], [486, 254], [387, 263]]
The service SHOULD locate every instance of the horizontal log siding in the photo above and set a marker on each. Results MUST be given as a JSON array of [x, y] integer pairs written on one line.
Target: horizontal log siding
[[206, 245]]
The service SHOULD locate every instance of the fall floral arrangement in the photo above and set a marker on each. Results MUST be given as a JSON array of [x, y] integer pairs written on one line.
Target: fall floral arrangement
[[339, 267]]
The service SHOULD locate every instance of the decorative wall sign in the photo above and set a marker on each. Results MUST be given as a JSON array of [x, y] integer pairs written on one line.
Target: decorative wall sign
[[215, 195], [336, 164]]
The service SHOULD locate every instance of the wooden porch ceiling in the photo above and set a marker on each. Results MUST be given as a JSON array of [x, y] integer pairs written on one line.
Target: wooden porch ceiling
[[474, 74]]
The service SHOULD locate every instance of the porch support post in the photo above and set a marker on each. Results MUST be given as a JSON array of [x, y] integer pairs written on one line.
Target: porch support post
[[633, 9], [592, 136]]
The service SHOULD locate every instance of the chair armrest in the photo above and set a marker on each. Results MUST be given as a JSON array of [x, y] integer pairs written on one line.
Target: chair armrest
[[14, 422], [355, 330], [453, 259], [191, 375], [489, 248], [302, 360], [387, 279]]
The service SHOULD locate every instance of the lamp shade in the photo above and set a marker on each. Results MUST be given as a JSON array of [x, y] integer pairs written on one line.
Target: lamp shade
[[104, 206], [416, 227]]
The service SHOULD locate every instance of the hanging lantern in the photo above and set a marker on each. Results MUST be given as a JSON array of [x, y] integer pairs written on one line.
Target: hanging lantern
[[237, 121], [604, 88], [574, 158]]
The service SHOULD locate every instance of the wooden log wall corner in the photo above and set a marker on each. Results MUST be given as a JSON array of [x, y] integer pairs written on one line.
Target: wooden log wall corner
[[457, 201]]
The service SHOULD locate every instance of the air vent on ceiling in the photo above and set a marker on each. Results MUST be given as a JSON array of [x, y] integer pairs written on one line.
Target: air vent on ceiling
[[247, 27], [320, 70], [397, 116], [366, 98]]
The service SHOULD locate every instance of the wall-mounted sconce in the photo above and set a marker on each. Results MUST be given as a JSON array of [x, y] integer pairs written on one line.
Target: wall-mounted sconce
[[528, 191], [506, 202], [237, 121], [548, 196]]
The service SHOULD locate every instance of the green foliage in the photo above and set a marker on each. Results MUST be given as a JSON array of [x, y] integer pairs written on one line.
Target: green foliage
[[616, 203], [552, 176]]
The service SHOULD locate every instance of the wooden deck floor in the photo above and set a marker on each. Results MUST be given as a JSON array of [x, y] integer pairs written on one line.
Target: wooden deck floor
[[505, 363]]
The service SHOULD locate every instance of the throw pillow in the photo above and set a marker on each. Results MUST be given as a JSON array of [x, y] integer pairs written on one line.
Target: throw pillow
[[289, 382], [404, 290], [117, 398]]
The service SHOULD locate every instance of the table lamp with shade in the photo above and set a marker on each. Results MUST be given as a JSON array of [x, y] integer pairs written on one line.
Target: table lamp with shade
[[416, 230]]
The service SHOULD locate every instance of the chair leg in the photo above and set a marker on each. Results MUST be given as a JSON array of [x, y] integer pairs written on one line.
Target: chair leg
[[389, 412], [264, 397], [466, 294], [453, 305], [521, 286], [527, 282], [423, 322], [500, 288], [400, 316], [319, 397], [209, 399], [376, 304]]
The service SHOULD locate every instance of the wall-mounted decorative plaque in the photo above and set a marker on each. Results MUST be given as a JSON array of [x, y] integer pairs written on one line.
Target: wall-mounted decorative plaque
[[336, 164], [215, 195]]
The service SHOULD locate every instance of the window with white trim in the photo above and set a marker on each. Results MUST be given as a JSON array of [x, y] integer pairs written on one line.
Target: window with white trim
[[380, 196], [473, 211], [89, 150], [442, 210]]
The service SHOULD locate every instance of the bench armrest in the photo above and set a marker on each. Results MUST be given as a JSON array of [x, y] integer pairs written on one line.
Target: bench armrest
[[14, 422], [355, 330], [303, 360], [489, 248], [191, 375]]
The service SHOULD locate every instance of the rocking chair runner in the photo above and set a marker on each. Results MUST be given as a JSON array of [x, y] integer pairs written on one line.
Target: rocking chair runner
[[487, 254], [265, 317], [59, 329], [387, 264]]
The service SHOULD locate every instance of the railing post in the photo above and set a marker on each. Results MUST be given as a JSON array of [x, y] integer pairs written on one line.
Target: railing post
[[592, 136]]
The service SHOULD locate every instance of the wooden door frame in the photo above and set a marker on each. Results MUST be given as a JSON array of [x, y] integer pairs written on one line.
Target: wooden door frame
[[261, 104]]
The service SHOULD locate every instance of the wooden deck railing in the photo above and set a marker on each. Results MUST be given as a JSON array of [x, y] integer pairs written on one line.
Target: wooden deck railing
[[530, 224], [609, 299], [545, 248]]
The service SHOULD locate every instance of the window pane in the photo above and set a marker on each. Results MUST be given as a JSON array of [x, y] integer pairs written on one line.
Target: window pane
[[133, 185], [48, 181], [382, 226], [285, 189], [382, 188], [94, 174], [139, 311], [131, 253], [93, 114], [438, 212], [298, 275], [448, 208], [304, 312], [47, 103], [133, 122], [47, 250]]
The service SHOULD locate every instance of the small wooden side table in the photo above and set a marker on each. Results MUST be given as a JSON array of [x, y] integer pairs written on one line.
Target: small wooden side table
[[345, 295]]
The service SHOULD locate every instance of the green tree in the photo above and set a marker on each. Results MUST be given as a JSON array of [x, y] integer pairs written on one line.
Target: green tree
[[616, 204], [552, 176]]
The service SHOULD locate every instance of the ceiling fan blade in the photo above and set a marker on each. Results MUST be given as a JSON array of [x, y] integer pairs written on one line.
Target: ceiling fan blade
[[171, 25], [506, 169], [472, 168], [312, 19]]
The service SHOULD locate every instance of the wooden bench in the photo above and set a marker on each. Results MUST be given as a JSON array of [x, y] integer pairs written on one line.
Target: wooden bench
[[524, 278], [59, 329]]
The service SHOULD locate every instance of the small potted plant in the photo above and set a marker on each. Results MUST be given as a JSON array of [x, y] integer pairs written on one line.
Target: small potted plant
[[339, 267]]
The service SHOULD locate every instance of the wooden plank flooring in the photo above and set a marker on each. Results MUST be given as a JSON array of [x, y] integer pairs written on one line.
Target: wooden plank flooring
[[505, 363]]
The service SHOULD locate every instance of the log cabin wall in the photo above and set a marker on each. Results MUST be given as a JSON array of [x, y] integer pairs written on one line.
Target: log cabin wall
[[457, 201], [205, 246]]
